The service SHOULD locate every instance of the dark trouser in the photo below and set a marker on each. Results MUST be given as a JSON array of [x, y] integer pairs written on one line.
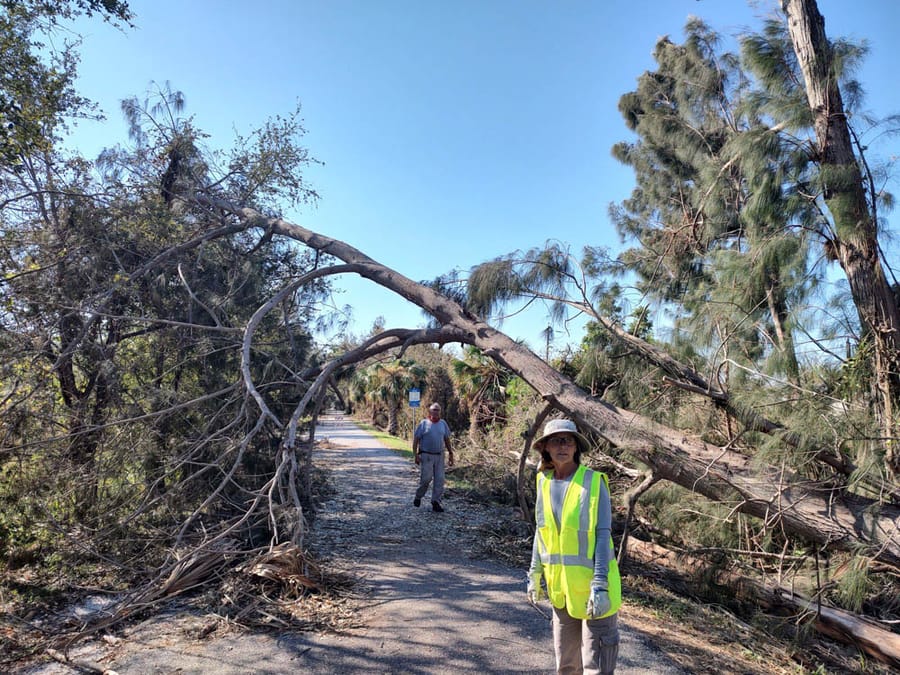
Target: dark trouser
[[588, 646], [431, 466]]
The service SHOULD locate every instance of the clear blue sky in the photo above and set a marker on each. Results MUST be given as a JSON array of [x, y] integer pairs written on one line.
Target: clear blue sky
[[451, 131]]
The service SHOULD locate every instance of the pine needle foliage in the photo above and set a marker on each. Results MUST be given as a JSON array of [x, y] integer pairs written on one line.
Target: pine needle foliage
[[855, 585], [123, 409], [713, 210]]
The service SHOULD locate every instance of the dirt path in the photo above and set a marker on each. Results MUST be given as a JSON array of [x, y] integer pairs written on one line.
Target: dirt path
[[432, 608]]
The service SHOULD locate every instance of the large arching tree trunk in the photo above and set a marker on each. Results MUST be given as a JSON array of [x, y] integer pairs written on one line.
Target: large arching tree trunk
[[851, 524], [856, 244]]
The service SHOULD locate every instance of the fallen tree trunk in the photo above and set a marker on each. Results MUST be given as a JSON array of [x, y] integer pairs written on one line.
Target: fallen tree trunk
[[685, 377], [794, 505], [838, 624]]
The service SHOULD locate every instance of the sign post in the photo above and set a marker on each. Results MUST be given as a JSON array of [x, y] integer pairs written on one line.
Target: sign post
[[415, 396]]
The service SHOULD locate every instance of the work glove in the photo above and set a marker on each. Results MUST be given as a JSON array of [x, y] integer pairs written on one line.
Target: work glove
[[534, 590], [598, 603]]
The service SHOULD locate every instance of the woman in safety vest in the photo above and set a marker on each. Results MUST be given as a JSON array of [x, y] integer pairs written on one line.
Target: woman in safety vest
[[573, 551]]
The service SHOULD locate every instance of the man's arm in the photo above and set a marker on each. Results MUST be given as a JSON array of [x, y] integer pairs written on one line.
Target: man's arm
[[415, 445], [449, 447]]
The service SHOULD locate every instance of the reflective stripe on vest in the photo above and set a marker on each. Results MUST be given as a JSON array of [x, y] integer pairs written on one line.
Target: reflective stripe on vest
[[587, 518]]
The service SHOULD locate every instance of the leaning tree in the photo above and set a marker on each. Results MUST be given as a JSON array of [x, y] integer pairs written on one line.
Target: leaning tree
[[851, 198]]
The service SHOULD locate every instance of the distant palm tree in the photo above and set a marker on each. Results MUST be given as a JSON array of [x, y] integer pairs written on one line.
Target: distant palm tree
[[481, 385], [390, 383], [358, 392], [547, 334]]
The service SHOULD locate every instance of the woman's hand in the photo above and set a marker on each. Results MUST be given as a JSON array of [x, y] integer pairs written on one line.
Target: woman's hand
[[534, 590], [598, 603]]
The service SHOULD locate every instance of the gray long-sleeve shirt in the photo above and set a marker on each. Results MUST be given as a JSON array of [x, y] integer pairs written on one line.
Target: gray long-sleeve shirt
[[602, 532]]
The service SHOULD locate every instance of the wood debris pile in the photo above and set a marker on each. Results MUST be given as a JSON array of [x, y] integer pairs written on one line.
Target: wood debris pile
[[286, 587]]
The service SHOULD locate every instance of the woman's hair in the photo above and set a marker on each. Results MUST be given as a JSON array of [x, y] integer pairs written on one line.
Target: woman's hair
[[546, 463]]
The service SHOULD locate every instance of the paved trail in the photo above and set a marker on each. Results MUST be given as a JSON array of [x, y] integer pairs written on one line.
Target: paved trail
[[432, 608]]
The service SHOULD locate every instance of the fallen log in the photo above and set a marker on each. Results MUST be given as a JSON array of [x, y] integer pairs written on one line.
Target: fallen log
[[838, 624]]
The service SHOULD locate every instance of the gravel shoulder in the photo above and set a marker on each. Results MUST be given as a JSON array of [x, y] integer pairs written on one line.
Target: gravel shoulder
[[427, 603]]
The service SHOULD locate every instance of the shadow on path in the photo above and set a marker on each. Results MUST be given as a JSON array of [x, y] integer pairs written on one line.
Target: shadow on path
[[431, 607], [434, 608]]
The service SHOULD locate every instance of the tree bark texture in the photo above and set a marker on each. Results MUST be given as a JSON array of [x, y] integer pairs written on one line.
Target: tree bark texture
[[856, 241]]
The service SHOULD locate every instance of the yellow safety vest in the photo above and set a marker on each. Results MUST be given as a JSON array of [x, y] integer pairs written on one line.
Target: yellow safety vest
[[567, 550]]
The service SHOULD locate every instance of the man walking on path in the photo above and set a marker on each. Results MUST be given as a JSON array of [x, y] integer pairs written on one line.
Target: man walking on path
[[430, 438]]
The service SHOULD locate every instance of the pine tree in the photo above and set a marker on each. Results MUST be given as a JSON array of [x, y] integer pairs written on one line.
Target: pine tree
[[712, 212]]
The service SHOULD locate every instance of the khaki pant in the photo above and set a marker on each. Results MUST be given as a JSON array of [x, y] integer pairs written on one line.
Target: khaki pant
[[588, 646]]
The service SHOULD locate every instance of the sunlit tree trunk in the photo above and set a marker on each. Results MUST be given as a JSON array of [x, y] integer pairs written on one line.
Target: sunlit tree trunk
[[855, 245]]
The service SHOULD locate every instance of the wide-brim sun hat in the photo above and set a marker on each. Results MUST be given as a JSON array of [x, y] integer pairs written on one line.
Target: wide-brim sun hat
[[562, 427]]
